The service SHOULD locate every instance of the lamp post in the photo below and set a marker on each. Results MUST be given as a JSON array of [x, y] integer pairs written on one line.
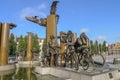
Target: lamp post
[[107, 48]]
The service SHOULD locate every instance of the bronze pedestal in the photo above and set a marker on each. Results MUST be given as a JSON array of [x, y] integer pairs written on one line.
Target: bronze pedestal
[[29, 47], [5, 28]]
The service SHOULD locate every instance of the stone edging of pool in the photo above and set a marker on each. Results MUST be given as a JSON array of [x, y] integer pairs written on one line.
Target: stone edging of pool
[[27, 64], [7, 67]]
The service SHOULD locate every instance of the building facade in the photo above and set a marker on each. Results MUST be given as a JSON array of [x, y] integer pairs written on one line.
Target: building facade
[[114, 48]]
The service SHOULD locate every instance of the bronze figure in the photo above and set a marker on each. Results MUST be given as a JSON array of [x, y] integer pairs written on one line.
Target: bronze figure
[[70, 54], [53, 51], [50, 22], [53, 7], [34, 19]]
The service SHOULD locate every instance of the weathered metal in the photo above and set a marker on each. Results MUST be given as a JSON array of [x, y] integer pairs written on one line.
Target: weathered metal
[[0, 35], [53, 7], [28, 72], [5, 28], [29, 47], [53, 51], [62, 45], [50, 22], [51, 28]]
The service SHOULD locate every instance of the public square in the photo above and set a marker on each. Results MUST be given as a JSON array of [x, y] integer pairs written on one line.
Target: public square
[[59, 40]]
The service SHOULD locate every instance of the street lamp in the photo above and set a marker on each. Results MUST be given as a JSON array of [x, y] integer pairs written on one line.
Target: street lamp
[[107, 48]]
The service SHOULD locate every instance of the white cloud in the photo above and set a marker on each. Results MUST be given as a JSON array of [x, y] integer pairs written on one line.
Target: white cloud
[[84, 30], [34, 11], [42, 6], [102, 38]]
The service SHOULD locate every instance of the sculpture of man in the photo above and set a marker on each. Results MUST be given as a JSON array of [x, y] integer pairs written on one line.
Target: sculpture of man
[[71, 49], [53, 50], [70, 41], [83, 44]]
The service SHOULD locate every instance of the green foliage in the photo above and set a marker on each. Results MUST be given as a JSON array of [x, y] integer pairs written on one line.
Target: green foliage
[[92, 46], [22, 44], [25, 43], [44, 46], [98, 47], [12, 44], [104, 48], [35, 44], [25, 74]]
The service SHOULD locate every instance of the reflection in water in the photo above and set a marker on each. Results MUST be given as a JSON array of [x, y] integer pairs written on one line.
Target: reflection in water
[[25, 74], [20, 74], [6, 75]]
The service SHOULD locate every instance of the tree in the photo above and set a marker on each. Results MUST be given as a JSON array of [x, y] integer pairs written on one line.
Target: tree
[[100, 47], [21, 45], [104, 48], [92, 46], [35, 44], [44, 48], [12, 44], [96, 47], [25, 42]]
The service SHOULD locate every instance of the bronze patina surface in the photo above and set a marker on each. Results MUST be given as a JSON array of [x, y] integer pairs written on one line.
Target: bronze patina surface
[[4, 30], [29, 47], [50, 22]]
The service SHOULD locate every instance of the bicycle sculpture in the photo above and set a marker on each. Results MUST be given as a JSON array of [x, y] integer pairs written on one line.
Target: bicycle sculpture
[[85, 56], [70, 50], [82, 49], [79, 52]]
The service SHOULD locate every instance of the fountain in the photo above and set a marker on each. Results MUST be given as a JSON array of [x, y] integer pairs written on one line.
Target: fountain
[[24, 69], [28, 61]]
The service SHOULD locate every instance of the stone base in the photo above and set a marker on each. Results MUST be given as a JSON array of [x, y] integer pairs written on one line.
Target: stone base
[[116, 61], [95, 74], [28, 64], [7, 67], [6, 72]]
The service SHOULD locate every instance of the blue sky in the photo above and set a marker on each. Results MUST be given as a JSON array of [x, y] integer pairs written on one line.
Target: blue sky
[[100, 19]]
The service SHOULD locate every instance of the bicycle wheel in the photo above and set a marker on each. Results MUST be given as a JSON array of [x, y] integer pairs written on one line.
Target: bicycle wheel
[[98, 60], [83, 62]]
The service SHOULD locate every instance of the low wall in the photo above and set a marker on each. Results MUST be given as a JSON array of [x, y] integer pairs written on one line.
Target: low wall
[[7, 67], [101, 74], [28, 63]]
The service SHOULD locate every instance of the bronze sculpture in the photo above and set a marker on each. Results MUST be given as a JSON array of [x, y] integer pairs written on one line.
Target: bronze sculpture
[[53, 51], [53, 7], [34, 19], [70, 54], [4, 35], [77, 50], [50, 22], [84, 44], [82, 48]]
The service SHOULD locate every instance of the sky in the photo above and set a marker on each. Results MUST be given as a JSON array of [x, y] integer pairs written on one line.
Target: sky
[[99, 19]]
